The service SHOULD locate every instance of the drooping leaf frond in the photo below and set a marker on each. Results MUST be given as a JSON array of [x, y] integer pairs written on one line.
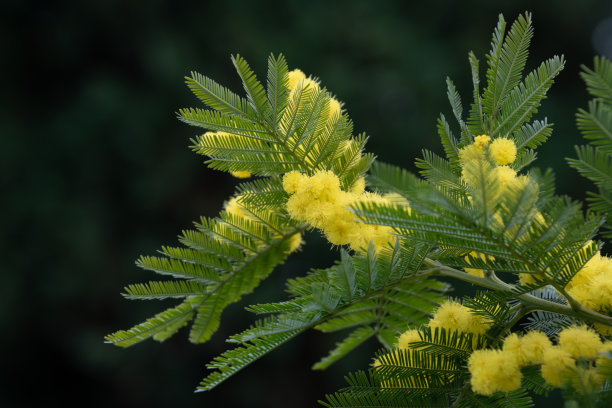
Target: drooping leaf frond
[[594, 160], [376, 294]]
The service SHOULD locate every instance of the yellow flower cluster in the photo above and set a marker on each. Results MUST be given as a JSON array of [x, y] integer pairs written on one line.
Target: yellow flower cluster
[[592, 287], [500, 151], [492, 371], [319, 201], [500, 370], [451, 316]]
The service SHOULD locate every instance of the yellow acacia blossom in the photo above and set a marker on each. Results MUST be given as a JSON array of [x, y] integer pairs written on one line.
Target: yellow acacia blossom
[[502, 151], [303, 84], [295, 76], [335, 109], [504, 175], [592, 287], [408, 337], [241, 174], [576, 342], [319, 201], [358, 186], [492, 371], [555, 361], [527, 349], [452, 315], [580, 341], [235, 208], [482, 141], [295, 241]]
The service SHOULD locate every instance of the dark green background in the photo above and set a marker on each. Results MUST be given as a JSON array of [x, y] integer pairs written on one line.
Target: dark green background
[[96, 170]]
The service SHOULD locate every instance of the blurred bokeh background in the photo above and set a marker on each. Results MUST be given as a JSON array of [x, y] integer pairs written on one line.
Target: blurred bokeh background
[[96, 170]]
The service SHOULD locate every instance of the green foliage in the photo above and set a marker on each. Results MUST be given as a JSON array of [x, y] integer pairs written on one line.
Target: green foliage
[[594, 161], [376, 294], [511, 236]]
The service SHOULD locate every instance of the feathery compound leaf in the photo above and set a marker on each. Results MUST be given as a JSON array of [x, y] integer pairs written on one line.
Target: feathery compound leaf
[[476, 124], [255, 90], [164, 324], [525, 98], [347, 345], [599, 80], [218, 97], [506, 63], [232, 361], [454, 99], [594, 164], [532, 135], [596, 124], [449, 142], [164, 290], [278, 80]]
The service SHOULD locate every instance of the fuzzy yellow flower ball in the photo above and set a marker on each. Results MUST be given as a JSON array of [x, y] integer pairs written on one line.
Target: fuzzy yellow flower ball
[[555, 361], [241, 174], [358, 186], [293, 180], [295, 76], [454, 316], [470, 152], [502, 151], [579, 341], [527, 349], [482, 141], [334, 108], [409, 336], [504, 175], [235, 208], [492, 371], [294, 242]]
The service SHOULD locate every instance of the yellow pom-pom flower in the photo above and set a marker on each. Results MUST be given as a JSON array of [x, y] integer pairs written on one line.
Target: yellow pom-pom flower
[[454, 316], [235, 208], [408, 337], [335, 109], [482, 141], [527, 349], [601, 288], [294, 242], [358, 186], [295, 76], [504, 175], [492, 371], [502, 151], [534, 344], [579, 341], [555, 362], [292, 181], [241, 174], [469, 153]]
